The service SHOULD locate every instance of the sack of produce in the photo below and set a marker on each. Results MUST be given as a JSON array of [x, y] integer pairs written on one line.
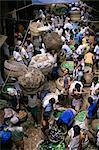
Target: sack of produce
[[44, 62], [32, 81], [75, 15], [53, 42], [88, 77], [14, 68], [34, 26]]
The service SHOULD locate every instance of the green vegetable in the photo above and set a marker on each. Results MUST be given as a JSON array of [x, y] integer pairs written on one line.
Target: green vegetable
[[81, 116]]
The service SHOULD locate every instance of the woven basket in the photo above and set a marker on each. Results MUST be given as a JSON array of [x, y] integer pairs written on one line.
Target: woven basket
[[34, 28], [75, 15], [14, 68]]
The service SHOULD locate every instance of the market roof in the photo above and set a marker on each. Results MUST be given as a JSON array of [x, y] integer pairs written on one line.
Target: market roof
[[2, 39], [52, 1]]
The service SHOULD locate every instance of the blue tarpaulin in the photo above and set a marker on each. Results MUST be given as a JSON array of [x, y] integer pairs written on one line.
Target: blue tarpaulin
[[52, 1]]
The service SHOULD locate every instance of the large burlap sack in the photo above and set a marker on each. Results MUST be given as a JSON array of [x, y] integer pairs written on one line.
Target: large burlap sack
[[44, 62], [34, 26], [52, 41], [75, 15], [32, 81], [14, 68]]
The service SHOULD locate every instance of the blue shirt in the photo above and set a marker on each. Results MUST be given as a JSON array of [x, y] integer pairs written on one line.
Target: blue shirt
[[67, 116], [92, 109]]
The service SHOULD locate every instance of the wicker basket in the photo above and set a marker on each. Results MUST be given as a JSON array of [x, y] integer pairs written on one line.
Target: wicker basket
[[75, 15]]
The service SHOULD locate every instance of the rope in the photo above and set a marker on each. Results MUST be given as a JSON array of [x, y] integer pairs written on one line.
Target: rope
[[26, 33]]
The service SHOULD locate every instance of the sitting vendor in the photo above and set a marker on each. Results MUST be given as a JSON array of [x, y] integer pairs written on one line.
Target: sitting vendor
[[67, 117]]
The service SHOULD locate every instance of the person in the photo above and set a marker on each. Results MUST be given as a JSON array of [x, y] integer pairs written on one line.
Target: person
[[17, 56], [67, 34], [75, 142], [67, 49], [68, 24], [5, 138], [94, 86], [24, 54], [92, 109], [33, 107], [76, 85], [30, 49], [17, 136], [77, 102], [59, 30], [67, 118], [96, 51], [78, 73], [89, 58], [66, 77], [47, 115]]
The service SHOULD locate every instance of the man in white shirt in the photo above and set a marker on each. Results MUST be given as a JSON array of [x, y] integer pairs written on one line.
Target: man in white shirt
[[67, 49], [59, 31], [96, 51], [68, 25], [76, 85], [80, 49], [48, 97], [17, 56], [24, 53], [30, 49]]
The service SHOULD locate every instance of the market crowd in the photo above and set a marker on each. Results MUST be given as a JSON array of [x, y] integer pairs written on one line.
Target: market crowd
[[76, 89]]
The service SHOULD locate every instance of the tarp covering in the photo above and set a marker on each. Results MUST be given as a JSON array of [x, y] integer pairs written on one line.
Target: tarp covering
[[52, 1]]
